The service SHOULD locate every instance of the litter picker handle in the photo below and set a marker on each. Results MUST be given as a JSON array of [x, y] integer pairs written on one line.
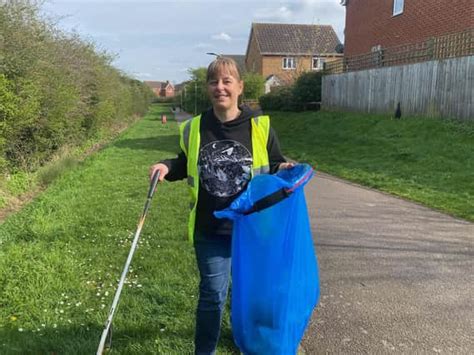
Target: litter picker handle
[[153, 184], [108, 323]]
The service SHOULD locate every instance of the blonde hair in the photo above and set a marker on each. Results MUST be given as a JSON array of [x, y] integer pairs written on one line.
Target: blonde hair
[[223, 64]]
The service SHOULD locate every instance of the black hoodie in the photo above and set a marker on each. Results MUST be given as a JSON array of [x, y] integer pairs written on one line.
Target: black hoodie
[[224, 166]]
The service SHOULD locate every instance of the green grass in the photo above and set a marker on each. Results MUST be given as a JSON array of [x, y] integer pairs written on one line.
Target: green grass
[[61, 257], [425, 160]]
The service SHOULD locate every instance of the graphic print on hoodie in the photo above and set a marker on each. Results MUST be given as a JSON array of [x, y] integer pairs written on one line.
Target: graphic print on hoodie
[[224, 167]]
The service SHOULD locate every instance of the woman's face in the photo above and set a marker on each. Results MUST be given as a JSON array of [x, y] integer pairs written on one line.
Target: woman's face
[[224, 91]]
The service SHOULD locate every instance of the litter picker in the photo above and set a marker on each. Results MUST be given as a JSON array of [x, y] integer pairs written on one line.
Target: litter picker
[[108, 324]]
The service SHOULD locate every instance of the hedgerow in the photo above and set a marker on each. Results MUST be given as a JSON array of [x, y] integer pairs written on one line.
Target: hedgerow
[[56, 89]]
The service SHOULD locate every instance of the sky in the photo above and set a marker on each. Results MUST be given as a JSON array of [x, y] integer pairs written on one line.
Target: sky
[[162, 39]]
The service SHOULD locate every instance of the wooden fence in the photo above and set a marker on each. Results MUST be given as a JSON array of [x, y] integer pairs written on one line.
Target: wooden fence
[[443, 47], [438, 88]]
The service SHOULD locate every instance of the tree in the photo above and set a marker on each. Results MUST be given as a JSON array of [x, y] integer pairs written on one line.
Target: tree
[[254, 86], [196, 99], [307, 88]]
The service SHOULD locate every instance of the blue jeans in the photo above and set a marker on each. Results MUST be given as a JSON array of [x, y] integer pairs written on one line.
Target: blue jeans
[[214, 261]]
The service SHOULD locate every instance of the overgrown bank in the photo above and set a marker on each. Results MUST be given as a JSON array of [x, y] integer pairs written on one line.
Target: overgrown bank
[[56, 89], [59, 98]]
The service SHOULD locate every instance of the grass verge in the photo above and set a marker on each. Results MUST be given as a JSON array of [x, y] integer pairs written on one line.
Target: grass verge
[[424, 160], [19, 188], [62, 255]]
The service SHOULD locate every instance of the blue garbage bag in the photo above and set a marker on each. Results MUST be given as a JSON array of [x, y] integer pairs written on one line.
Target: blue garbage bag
[[275, 281]]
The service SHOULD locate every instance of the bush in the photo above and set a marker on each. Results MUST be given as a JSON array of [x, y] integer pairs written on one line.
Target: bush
[[307, 89], [280, 98], [303, 94], [195, 99], [254, 86], [55, 89]]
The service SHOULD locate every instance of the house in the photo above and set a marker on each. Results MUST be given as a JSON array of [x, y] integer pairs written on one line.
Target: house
[[272, 81], [167, 89], [281, 52], [372, 25], [161, 89]]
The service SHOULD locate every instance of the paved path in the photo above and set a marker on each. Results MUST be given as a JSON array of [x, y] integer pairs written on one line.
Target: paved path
[[181, 116], [396, 277]]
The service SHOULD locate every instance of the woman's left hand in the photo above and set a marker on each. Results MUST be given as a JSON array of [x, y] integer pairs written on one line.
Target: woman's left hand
[[286, 165]]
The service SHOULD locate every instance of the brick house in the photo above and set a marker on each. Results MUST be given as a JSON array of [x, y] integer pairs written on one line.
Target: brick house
[[161, 89], [281, 52], [372, 25]]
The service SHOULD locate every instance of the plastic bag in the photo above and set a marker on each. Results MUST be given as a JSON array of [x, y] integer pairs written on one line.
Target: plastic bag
[[275, 281]]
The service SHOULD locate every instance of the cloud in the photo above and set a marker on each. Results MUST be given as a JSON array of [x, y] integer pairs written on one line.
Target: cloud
[[129, 28], [283, 13], [222, 37]]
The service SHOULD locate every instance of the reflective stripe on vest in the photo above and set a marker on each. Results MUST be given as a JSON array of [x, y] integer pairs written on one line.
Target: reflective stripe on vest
[[190, 140]]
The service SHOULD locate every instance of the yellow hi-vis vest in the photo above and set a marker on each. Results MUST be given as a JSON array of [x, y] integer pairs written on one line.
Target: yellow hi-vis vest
[[190, 140]]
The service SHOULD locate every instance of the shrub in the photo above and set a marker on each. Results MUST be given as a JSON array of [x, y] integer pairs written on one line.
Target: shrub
[[307, 88], [195, 97], [55, 89], [254, 86], [280, 98]]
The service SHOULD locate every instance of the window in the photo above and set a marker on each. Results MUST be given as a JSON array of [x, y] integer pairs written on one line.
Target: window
[[318, 63], [397, 7], [289, 63]]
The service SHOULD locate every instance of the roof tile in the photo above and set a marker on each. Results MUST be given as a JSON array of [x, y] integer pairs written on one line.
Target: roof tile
[[276, 38]]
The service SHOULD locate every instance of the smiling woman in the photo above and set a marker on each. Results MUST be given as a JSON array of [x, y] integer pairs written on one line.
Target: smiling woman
[[224, 87], [222, 149]]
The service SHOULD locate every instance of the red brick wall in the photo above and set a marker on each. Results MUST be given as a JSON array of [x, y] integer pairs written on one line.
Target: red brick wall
[[253, 60], [274, 65], [370, 22], [169, 92]]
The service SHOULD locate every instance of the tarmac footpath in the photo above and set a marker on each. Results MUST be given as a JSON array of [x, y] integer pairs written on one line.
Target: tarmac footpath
[[396, 277]]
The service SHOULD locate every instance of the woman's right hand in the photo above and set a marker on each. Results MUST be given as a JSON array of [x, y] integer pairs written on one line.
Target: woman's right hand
[[162, 168]]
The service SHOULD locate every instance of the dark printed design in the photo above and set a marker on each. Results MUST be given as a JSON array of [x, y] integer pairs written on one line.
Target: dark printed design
[[224, 167]]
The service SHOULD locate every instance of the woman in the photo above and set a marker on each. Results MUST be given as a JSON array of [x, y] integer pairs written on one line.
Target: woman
[[221, 150]]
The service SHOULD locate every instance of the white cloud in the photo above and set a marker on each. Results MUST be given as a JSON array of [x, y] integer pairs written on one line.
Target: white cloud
[[222, 37], [266, 14]]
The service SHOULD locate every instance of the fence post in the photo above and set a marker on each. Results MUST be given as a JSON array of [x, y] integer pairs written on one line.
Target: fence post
[[430, 48]]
